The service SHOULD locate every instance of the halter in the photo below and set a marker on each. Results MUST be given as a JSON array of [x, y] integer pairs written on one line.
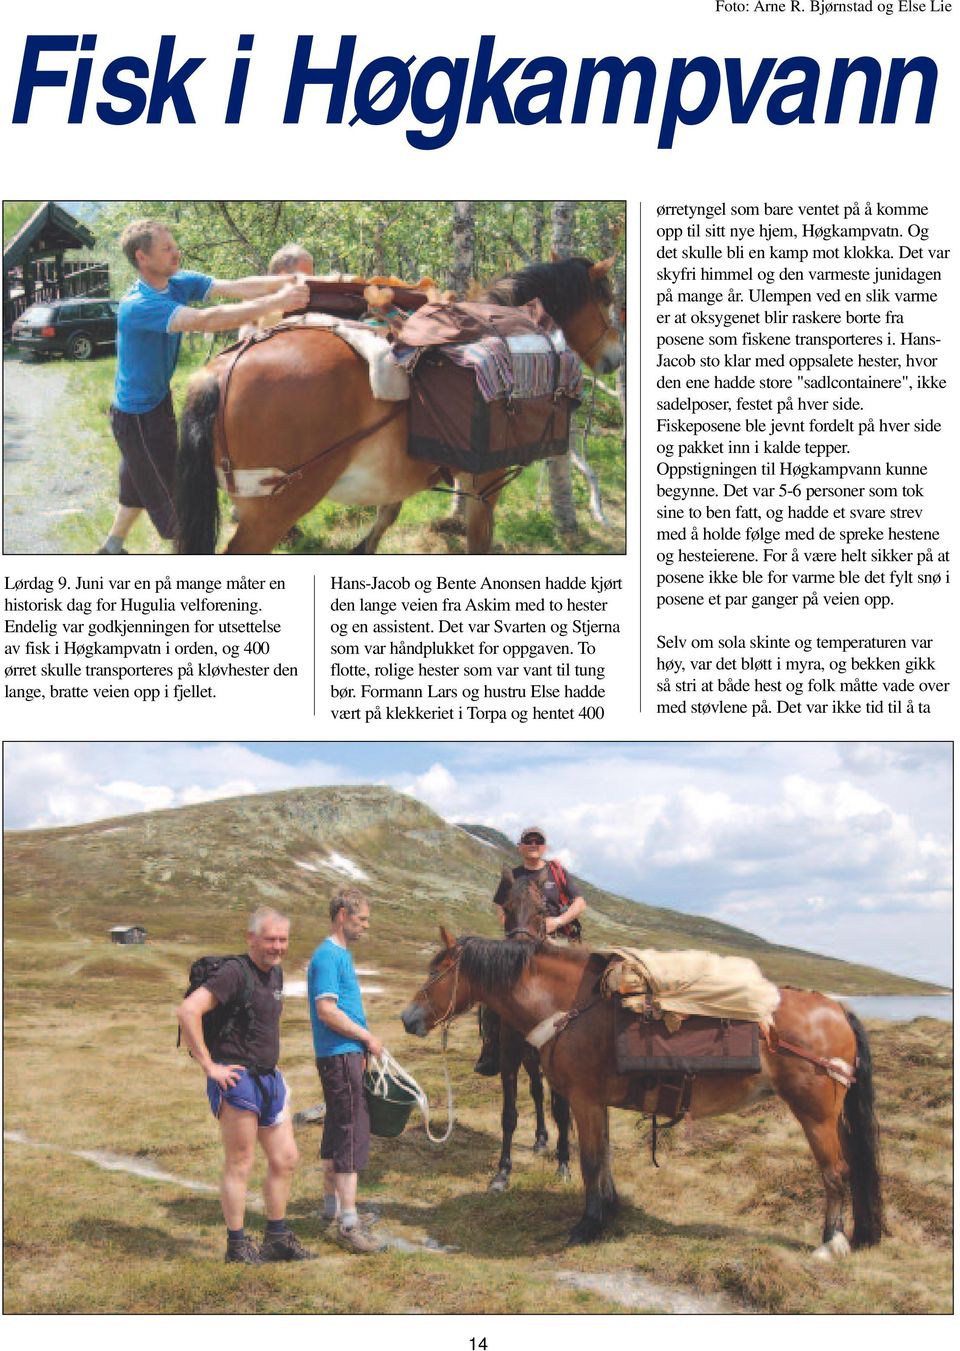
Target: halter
[[608, 329], [448, 1017], [524, 936]]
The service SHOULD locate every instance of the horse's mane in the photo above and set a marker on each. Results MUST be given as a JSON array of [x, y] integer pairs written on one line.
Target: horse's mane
[[562, 288], [496, 964]]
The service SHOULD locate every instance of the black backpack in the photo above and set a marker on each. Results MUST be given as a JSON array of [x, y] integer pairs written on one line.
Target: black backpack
[[223, 1020]]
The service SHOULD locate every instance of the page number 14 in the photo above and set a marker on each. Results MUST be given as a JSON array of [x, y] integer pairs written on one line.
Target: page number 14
[[478, 1344]]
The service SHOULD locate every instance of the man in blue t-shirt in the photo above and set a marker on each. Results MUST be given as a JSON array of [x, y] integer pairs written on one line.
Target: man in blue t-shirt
[[153, 316], [341, 1041]]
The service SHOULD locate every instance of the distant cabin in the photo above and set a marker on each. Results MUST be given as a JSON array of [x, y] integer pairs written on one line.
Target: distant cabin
[[128, 933]]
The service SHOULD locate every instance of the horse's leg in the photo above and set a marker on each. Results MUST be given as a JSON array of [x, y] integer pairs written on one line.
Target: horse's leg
[[256, 534], [560, 1111], [455, 521], [263, 521], [611, 1201], [593, 1131], [822, 1130], [531, 1063], [480, 513], [385, 519], [510, 1054]]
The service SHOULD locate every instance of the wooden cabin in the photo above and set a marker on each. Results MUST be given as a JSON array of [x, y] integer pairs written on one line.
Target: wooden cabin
[[128, 933], [36, 268]]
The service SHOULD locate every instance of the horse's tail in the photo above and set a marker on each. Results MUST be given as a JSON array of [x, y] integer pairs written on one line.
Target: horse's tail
[[198, 507], [860, 1142]]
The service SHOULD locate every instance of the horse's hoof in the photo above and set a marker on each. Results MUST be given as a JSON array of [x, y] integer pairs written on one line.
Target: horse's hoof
[[584, 1231], [500, 1183], [361, 548], [835, 1249], [563, 1173], [540, 1145]]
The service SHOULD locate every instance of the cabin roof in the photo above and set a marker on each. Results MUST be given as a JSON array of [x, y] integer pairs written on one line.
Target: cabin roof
[[49, 230]]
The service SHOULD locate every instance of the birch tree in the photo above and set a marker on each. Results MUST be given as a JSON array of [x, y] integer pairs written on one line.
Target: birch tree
[[558, 466], [462, 268]]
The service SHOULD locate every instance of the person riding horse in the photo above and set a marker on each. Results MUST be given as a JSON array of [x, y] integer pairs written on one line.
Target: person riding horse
[[562, 920]]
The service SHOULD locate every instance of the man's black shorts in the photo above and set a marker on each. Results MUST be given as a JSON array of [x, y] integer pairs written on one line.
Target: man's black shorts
[[346, 1126], [148, 458]]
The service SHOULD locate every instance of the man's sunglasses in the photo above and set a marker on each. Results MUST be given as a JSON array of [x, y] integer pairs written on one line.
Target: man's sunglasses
[[533, 839]]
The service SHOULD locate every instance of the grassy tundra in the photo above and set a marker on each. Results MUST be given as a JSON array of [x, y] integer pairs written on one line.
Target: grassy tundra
[[734, 1208]]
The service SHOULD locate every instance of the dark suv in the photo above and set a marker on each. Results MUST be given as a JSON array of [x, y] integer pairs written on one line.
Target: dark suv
[[76, 327]]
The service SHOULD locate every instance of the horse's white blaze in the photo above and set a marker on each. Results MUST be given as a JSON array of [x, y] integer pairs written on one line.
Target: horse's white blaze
[[835, 1249]]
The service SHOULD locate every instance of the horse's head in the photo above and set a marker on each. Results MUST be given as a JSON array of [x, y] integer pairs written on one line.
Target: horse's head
[[443, 995], [591, 329], [577, 294], [524, 908]]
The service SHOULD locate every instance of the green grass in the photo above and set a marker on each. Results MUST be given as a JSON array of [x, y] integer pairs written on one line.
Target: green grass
[[524, 522], [734, 1209]]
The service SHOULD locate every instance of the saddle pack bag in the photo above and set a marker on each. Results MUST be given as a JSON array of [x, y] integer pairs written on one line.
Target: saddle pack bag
[[491, 386], [223, 1020], [645, 1045]]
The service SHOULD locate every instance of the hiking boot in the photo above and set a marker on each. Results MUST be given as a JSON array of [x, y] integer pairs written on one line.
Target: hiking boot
[[360, 1239], [243, 1250], [367, 1216], [284, 1247]]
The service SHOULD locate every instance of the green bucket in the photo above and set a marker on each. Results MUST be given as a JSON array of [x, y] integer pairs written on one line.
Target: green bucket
[[390, 1113]]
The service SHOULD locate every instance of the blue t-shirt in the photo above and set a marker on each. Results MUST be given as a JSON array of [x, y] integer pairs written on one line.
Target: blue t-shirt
[[146, 352], [331, 975]]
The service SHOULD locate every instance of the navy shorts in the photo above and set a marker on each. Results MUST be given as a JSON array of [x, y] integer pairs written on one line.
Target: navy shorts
[[265, 1094], [346, 1125]]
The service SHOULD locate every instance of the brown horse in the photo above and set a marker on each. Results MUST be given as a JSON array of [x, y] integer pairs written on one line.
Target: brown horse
[[524, 911], [528, 983], [305, 397]]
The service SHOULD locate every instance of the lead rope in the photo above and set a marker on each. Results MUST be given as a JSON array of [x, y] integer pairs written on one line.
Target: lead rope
[[384, 1067]]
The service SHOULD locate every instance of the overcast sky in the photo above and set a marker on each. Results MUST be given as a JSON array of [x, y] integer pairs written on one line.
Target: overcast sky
[[843, 848]]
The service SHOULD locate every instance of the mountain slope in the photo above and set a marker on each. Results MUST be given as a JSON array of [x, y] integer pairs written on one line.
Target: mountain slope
[[193, 874]]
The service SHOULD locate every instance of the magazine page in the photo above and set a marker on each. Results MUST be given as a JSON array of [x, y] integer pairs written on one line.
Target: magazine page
[[457, 638]]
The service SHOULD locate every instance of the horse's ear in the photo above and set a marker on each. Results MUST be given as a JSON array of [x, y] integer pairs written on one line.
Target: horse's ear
[[554, 256], [506, 875], [601, 269], [445, 938]]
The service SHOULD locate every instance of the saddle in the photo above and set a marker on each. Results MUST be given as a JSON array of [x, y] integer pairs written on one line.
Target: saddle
[[347, 297], [691, 982], [678, 1015], [491, 388]]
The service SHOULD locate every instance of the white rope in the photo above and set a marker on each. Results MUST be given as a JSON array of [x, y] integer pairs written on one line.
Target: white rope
[[384, 1068]]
